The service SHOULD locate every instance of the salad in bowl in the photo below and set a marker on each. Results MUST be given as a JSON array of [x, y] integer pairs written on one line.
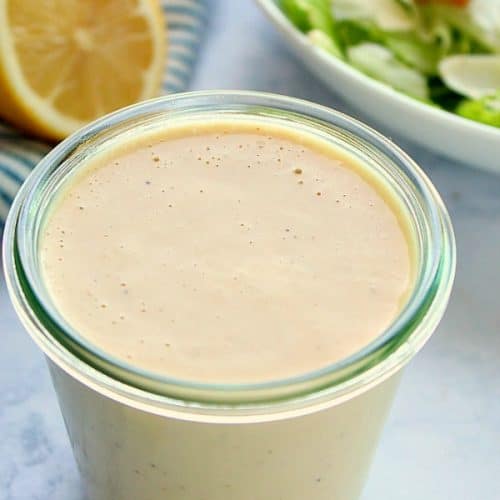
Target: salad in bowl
[[444, 53]]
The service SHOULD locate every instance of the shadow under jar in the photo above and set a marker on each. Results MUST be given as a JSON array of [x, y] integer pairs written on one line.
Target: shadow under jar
[[142, 434]]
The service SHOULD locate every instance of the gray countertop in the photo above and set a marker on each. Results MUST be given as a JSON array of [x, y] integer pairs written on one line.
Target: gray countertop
[[442, 440]]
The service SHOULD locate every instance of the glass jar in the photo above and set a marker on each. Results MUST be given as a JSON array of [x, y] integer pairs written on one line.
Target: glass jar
[[137, 434]]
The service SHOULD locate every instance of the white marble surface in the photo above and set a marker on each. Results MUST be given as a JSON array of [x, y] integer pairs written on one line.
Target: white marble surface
[[442, 440]]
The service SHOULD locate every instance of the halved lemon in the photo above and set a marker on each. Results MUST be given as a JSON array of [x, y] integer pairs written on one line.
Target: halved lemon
[[64, 63]]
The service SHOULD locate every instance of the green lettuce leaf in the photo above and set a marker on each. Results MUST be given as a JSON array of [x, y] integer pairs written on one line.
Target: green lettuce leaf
[[309, 14], [325, 42], [355, 32], [422, 56], [485, 110], [386, 15], [314, 17], [380, 63], [479, 22]]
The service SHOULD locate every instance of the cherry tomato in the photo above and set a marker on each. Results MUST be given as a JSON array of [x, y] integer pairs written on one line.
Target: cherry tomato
[[455, 3]]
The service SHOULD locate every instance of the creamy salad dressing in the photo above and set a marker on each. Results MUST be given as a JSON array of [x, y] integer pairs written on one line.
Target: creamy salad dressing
[[227, 252]]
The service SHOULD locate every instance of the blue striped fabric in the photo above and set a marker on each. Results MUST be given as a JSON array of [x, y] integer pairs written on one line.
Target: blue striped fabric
[[186, 21]]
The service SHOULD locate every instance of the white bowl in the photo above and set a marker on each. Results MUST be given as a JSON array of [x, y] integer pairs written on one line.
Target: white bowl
[[464, 140]]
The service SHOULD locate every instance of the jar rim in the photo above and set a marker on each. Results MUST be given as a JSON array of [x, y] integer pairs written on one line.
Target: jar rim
[[388, 352]]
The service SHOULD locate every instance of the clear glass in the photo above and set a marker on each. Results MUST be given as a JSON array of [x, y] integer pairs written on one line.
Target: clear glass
[[228, 439]]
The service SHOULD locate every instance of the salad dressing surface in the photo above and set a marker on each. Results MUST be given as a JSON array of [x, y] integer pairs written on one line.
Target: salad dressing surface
[[227, 252]]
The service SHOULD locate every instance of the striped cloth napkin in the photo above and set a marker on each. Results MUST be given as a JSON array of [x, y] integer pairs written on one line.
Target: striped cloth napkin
[[186, 21]]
